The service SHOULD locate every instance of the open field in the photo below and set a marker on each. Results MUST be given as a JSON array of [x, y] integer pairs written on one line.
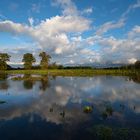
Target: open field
[[77, 72]]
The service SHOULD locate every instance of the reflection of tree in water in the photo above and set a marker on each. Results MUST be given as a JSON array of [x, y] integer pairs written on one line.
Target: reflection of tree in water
[[60, 107], [135, 78], [44, 83], [4, 83], [53, 77], [3, 76], [28, 83]]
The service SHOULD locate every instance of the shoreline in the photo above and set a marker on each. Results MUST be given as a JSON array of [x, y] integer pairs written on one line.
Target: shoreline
[[77, 72]]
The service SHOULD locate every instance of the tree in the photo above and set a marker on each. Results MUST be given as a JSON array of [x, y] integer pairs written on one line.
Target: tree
[[4, 57], [28, 60], [45, 58], [137, 64]]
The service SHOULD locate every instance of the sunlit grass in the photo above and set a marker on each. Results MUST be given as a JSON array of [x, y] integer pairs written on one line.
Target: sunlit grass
[[77, 72]]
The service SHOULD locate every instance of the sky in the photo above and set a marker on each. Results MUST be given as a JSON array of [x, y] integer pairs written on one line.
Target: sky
[[73, 32]]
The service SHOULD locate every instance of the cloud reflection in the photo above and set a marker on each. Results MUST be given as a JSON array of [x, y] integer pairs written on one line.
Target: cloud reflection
[[69, 95]]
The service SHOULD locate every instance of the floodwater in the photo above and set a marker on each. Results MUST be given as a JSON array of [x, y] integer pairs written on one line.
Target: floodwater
[[54, 108]]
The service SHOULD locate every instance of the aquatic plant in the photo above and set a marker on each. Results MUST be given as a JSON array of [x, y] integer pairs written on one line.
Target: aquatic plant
[[104, 132], [104, 115], [122, 133], [51, 109], [88, 109], [109, 110], [62, 114]]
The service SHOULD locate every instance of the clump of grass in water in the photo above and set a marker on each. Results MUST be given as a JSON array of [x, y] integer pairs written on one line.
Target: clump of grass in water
[[88, 109], [104, 132], [51, 109], [62, 113], [108, 112], [101, 132]]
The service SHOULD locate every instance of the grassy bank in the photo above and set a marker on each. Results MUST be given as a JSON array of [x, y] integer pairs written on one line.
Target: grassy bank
[[77, 72]]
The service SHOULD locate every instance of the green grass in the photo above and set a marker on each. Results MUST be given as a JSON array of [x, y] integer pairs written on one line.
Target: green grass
[[77, 72]]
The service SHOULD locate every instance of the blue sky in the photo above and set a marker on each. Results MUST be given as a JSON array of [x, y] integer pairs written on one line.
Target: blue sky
[[71, 31]]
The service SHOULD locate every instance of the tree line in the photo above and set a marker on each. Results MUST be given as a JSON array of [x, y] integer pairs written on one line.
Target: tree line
[[28, 60]]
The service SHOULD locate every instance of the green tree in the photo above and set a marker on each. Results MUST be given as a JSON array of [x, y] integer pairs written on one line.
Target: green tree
[[4, 57], [45, 58], [137, 64], [28, 60]]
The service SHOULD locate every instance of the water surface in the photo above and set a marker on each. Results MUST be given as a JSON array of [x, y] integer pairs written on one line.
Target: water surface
[[53, 108]]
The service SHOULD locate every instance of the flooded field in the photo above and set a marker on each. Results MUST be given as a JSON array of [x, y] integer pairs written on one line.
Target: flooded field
[[65, 108]]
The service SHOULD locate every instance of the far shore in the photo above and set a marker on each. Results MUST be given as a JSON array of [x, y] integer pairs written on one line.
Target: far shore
[[77, 72]]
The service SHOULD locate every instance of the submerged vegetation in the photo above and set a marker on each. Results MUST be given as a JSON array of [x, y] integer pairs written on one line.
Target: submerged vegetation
[[103, 132], [107, 112]]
